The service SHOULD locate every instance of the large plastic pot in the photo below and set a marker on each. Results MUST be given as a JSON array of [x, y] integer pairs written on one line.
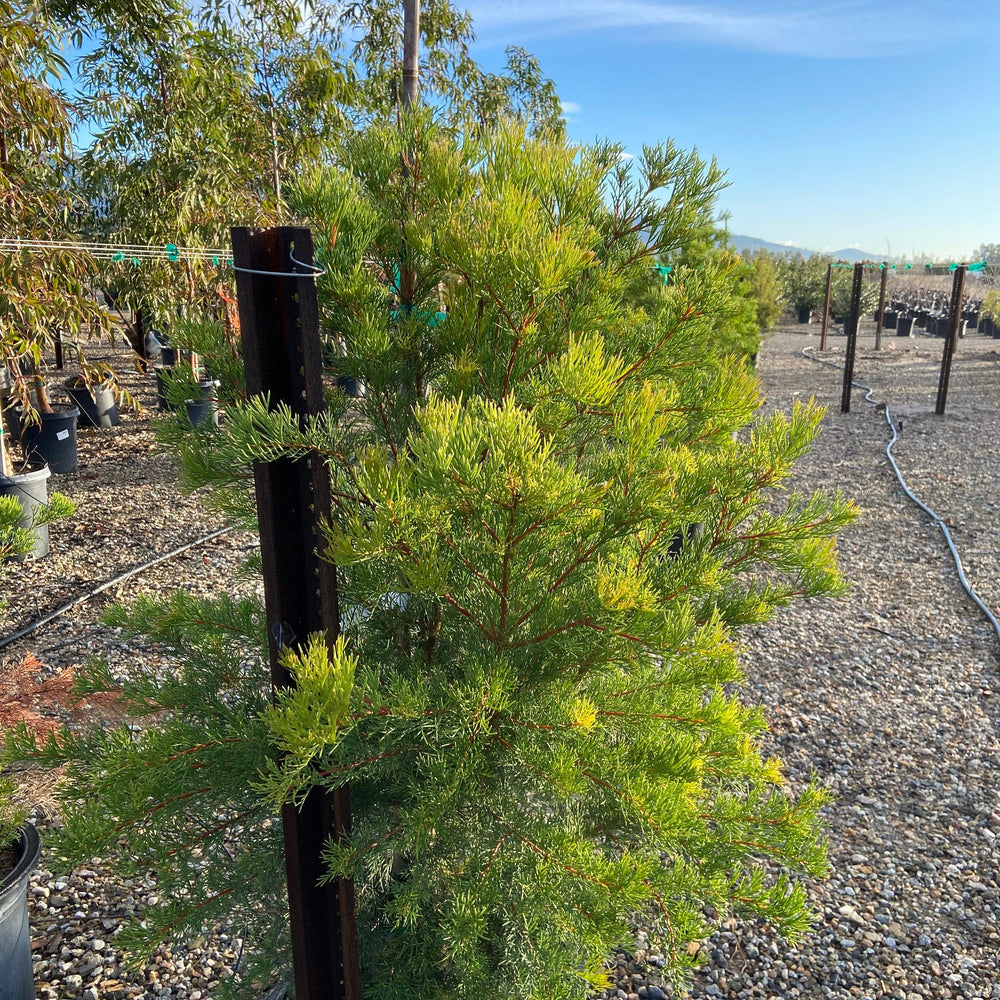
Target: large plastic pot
[[97, 407], [904, 326], [205, 409], [31, 490], [16, 981], [54, 441], [804, 315]]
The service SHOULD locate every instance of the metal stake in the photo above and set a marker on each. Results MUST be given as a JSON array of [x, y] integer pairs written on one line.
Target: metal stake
[[282, 356], [954, 318], [852, 337]]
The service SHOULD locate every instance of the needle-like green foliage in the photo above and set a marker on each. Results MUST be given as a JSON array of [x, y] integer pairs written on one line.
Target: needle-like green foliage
[[552, 510]]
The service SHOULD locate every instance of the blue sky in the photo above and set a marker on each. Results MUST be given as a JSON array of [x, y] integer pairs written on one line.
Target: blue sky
[[841, 123]]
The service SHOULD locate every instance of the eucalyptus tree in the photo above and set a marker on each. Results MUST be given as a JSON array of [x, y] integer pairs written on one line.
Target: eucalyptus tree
[[41, 291]]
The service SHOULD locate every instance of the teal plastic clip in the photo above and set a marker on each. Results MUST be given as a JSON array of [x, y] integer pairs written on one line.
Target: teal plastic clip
[[172, 252]]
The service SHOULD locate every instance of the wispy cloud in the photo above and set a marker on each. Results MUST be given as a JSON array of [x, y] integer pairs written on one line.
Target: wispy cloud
[[570, 108], [836, 29]]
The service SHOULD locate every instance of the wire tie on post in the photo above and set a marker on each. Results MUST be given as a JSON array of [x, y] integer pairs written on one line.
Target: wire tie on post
[[315, 271]]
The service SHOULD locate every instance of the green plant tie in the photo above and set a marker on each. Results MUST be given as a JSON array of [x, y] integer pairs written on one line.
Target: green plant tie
[[664, 271], [979, 266], [172, 252], [118, 256], [215, 261]]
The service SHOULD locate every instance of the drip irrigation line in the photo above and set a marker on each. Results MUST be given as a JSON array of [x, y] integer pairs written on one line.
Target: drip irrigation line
[[935, 517], [52, 615]]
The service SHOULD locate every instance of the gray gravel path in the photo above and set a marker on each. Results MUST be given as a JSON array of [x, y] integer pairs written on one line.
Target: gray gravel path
[[892, 695]]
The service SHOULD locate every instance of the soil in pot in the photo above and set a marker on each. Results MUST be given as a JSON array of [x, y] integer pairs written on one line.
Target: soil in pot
[[30, 489], [16, 981], [54, 440]]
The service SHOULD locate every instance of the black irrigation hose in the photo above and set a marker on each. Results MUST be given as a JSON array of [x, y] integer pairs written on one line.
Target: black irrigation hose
[[52, 615], [936, 518]]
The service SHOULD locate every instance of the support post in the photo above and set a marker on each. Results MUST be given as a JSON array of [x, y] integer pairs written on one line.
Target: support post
[[954, 318], [881, 307], [282, 357], [826, 307], [411, 52], [852, 337], [59, 350]]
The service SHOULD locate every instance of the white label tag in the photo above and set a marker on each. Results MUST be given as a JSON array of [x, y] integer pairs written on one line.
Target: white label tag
[[62, 435]]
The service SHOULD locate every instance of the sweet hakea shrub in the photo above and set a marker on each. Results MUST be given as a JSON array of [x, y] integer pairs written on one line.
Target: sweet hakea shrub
[[553, 509]]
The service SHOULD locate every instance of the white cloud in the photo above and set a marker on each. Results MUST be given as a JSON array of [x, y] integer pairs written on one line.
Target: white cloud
[[570, 107], [831, 29], [624, 157]]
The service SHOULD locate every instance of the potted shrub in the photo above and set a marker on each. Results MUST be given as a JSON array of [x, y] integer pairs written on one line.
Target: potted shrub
[[804, 284], [19, 841], [24, 493], [840, 295], [989, 314], [19, 851], [530, 699]]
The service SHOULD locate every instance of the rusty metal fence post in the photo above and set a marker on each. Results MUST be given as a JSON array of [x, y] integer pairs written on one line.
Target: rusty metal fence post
[[954, 318], [852, 337], [826, 307], [282, 356]]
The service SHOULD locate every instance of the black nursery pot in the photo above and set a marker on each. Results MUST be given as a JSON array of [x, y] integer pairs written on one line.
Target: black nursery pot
[[16, 981], [30, 489], [804, 315], [97, 408], [54, 441], [904, 326], [206, 408]]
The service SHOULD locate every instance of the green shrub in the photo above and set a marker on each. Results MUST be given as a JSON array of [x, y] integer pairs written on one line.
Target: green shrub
[[532, 699]]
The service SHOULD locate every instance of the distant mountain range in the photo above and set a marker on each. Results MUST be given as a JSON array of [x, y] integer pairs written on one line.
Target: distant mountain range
[[751, 243]]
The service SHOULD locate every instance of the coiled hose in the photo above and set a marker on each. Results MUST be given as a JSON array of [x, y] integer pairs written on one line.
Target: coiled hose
[[937, 519]]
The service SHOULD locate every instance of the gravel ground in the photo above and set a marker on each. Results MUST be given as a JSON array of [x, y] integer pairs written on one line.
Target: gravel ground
[[890, 696]]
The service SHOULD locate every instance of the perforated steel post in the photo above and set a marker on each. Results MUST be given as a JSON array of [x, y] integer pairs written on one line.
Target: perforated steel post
[[954, 318], [852, 337], [282, 356]]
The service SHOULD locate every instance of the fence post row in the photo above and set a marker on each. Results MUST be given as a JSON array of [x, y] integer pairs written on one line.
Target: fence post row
[[282, 356], [881, 307], [954, 318], [852, 337], [826, 307]]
